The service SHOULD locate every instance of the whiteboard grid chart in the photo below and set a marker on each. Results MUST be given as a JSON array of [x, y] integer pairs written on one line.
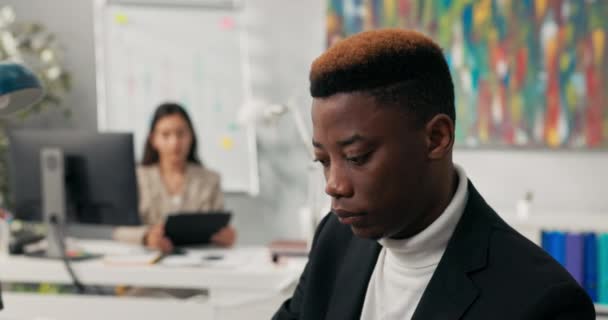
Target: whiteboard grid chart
[[147, 55]]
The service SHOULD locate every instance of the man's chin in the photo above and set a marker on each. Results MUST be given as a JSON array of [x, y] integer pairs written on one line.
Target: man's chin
[[366, 232]]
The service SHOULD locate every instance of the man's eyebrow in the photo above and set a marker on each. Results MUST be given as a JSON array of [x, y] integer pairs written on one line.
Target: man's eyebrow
[[351, 140], [342, 143]]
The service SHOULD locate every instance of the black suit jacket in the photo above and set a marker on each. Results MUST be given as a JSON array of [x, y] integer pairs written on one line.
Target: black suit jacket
[[488, 271]]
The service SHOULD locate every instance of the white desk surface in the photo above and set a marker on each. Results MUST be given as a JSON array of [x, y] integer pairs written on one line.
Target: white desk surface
[[28, 306], [252, 270]]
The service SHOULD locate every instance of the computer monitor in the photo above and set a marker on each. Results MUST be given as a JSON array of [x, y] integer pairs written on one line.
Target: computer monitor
[[100, 181]]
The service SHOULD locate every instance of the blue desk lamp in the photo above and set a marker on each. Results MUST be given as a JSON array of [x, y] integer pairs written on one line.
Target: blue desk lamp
[[19, 88]]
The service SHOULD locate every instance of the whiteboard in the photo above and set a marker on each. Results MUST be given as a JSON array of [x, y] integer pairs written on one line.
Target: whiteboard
[[192, 55]]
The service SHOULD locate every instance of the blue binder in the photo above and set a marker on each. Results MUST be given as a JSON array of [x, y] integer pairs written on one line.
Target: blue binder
[[559, 247], [590, 265], [554, 242], [602, 272], [574, 256], [545, 239]]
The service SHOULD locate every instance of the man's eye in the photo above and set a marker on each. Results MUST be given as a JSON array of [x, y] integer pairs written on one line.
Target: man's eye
[[359, 160], [323, 162]]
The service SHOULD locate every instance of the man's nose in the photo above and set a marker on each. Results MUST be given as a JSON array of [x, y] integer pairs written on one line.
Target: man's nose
[[338, 184]]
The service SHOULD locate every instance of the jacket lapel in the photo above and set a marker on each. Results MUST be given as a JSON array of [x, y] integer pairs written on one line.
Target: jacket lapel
[[450, 291], [347, 298]]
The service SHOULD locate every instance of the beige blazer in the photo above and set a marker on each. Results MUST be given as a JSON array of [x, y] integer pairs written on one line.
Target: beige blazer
[[202, 192]]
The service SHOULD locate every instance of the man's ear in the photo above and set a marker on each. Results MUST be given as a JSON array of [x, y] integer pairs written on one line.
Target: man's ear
[[440, 136]]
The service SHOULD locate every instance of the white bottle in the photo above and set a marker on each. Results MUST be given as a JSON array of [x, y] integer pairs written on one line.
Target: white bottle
[[523, 206]]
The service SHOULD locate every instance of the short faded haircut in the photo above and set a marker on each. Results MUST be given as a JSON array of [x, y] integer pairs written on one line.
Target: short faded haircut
[[397, 67]]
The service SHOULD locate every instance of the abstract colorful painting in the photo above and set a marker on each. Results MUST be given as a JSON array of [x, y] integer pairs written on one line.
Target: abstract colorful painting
[[527, 73]]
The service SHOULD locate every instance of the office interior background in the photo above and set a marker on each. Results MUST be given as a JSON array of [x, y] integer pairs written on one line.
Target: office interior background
[[563, 181], [564, 178]]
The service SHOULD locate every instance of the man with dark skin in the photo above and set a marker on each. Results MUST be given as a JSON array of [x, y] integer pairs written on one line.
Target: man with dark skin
[[391, 166], [409, 236]]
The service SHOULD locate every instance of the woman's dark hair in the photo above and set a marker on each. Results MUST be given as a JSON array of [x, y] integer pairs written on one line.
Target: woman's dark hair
[[164, 110]]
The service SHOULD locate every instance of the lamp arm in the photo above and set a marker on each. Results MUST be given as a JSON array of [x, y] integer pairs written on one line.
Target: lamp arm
[[305, 136]]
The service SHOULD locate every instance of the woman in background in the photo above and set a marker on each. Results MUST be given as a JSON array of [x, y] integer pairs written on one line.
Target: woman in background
[[172, 179]]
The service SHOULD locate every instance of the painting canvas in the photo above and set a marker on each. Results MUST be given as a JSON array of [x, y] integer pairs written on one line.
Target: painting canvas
[[527, 73]]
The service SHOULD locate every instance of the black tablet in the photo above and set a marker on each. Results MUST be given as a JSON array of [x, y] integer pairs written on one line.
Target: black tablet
[[195, 228]]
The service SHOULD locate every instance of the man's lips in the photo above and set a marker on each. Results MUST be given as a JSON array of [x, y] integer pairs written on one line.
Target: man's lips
[[348, 217]]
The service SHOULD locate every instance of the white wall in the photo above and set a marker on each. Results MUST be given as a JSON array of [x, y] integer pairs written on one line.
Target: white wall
[[288, 34], [286, 37], [562, 182]]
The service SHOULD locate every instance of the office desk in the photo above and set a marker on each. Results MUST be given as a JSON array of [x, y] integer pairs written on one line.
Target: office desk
[[28, 306], [255, 277]]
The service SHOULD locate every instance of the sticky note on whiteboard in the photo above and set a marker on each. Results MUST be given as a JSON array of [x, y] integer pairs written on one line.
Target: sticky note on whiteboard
[[233, 127], [121, 18], [227, 23], [227, 143]]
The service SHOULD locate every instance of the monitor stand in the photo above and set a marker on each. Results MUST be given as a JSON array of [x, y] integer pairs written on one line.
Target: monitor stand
[[52, 167], [55, 246]]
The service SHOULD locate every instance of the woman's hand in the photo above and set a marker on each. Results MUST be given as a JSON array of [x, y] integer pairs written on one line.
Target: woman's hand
[[155, 238], [225, 237]]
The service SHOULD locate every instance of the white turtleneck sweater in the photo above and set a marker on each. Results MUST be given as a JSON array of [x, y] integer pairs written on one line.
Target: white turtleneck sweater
[[405, 267]]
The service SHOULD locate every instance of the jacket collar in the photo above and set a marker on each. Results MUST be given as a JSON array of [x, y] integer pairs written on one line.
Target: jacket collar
[[351, 284], [450, 291]]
